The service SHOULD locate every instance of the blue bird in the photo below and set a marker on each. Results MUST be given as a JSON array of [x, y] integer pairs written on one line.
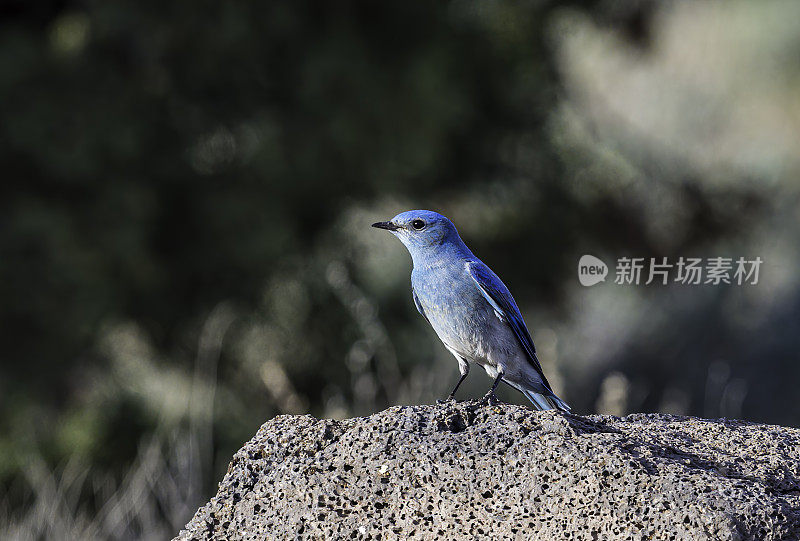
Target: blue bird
[[470, 309]]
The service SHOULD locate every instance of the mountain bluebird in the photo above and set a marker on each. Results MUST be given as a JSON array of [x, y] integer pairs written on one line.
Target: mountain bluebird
[[470, 309]]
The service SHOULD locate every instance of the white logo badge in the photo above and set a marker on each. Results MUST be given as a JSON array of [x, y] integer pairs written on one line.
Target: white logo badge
[[591, 270]]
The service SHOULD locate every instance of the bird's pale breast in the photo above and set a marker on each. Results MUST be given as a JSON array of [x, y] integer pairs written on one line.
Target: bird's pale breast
[[461, 316]]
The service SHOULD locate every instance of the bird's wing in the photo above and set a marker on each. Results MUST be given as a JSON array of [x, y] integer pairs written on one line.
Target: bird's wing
[[498, 296], [418, 305]]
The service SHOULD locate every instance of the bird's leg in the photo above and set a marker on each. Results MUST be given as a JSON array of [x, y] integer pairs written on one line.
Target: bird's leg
[[452, 394], [489, 398], [463, 367]]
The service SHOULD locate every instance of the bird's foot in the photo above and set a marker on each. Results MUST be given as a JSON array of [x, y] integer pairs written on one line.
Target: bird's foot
[[449, 400], [489, 399]]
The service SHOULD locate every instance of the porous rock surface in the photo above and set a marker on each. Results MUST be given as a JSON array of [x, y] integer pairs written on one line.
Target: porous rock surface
[[466, 471]]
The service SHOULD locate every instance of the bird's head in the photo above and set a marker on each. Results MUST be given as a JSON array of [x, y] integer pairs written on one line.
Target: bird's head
[[420, 229]]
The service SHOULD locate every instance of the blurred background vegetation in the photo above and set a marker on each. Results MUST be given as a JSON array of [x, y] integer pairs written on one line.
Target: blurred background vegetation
[[187, 189]]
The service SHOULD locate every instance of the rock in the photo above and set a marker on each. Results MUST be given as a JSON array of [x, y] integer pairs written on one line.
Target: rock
[[463, 471]]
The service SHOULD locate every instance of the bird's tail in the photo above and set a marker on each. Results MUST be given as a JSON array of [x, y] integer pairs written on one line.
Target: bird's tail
[[546, 402]]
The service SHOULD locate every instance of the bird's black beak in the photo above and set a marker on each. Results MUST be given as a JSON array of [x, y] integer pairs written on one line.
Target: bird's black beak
[[389, 226]]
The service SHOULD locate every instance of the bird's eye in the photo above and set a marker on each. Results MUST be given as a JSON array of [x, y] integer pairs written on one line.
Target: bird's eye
[[417, 224]]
